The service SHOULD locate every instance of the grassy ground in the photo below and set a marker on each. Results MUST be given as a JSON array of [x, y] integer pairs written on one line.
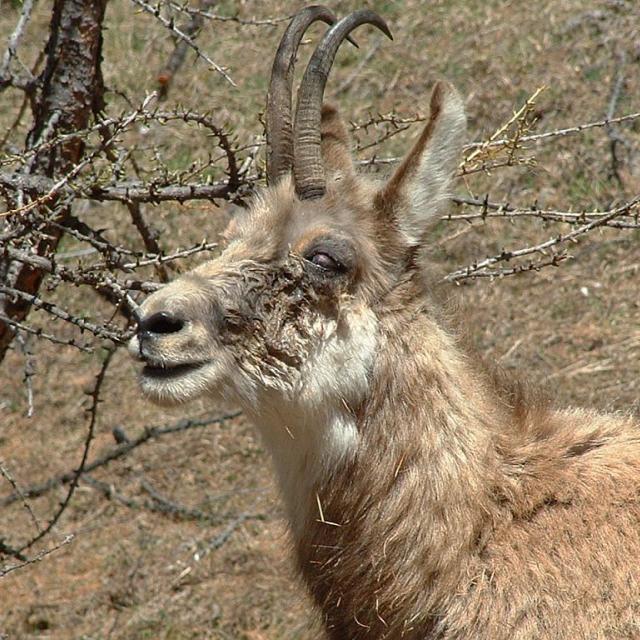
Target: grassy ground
[[135, 573]]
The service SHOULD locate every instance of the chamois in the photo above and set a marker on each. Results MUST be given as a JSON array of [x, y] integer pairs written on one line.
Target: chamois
[[426, 500]]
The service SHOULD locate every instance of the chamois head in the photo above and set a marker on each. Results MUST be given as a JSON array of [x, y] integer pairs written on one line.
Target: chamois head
[[289, 309]]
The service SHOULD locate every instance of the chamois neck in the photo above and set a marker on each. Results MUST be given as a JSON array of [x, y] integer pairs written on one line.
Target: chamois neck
[[427, 414], [415, 497], [309, 425]]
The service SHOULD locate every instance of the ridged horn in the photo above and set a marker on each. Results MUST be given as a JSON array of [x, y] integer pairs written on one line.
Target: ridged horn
[[279, 120], [307, 168]]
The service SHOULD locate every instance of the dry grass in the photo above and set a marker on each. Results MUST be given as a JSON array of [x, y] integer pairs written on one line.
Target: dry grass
[[133, 574]]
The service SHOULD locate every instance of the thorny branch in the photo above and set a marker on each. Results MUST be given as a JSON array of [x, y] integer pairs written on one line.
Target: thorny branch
[[137, 192], [395, 120], [75, 170], [480, 269], [17, 491], [57, 312], [24, 342], [106, 183], [216, 17], [626, 216], [559, 133], [40, 333], [490, 155]]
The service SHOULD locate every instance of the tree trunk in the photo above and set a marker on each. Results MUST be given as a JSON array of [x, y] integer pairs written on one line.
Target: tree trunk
[[70, 90]]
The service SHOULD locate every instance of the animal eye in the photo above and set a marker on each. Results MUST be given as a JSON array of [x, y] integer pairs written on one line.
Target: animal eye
[[324, 261]]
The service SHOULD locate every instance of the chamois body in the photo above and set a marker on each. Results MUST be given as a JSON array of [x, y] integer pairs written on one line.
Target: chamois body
[[426, 499], [466, 513]]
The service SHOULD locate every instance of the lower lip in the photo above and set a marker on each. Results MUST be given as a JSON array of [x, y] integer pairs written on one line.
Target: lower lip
[[163, 373]]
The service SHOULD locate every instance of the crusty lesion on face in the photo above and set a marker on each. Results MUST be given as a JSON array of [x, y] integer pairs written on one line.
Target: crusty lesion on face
[[274, 317], [265, 306], [275, 314]]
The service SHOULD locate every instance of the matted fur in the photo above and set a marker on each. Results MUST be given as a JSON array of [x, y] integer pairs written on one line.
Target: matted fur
[[426, 498]]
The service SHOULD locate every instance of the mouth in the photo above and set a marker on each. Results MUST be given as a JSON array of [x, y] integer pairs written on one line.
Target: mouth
[[171, 384], [168, 371]]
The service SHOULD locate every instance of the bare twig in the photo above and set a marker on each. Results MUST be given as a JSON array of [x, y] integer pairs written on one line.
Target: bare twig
[[149, 236], [559, 133], [614, 135], [29, 369], [169, 506], [348, 81], [206, 547], [149, 433], [93, 415], [538, 137], [37, 558], [160, 259], [12, 44], [533, 265], [109, 492], [383, 138], [157, 504], [392, 119], [184, 37], [16, 488], [484, 156], [178, 55]]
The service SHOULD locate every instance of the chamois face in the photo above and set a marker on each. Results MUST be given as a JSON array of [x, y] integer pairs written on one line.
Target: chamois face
[[286, 303], [289, 312]]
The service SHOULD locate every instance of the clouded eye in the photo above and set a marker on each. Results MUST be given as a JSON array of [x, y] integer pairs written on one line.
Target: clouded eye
[[325, 261], [332, 257]]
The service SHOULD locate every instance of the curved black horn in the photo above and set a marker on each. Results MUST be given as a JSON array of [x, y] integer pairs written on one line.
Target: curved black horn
[[307, 167], [279, 122]]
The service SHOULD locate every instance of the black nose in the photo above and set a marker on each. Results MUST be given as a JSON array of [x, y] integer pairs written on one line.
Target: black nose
[[161, 322]]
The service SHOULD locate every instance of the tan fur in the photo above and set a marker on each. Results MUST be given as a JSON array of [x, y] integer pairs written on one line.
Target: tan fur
[[427, 499]]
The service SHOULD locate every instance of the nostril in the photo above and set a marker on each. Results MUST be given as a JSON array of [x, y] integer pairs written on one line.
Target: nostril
[[161, 322]]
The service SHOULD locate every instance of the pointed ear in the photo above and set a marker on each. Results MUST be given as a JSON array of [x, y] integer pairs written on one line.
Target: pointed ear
[[419, 188], [335, 142]]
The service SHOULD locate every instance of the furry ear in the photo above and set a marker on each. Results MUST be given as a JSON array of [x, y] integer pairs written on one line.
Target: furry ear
[[419, 187], [335, 142]]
